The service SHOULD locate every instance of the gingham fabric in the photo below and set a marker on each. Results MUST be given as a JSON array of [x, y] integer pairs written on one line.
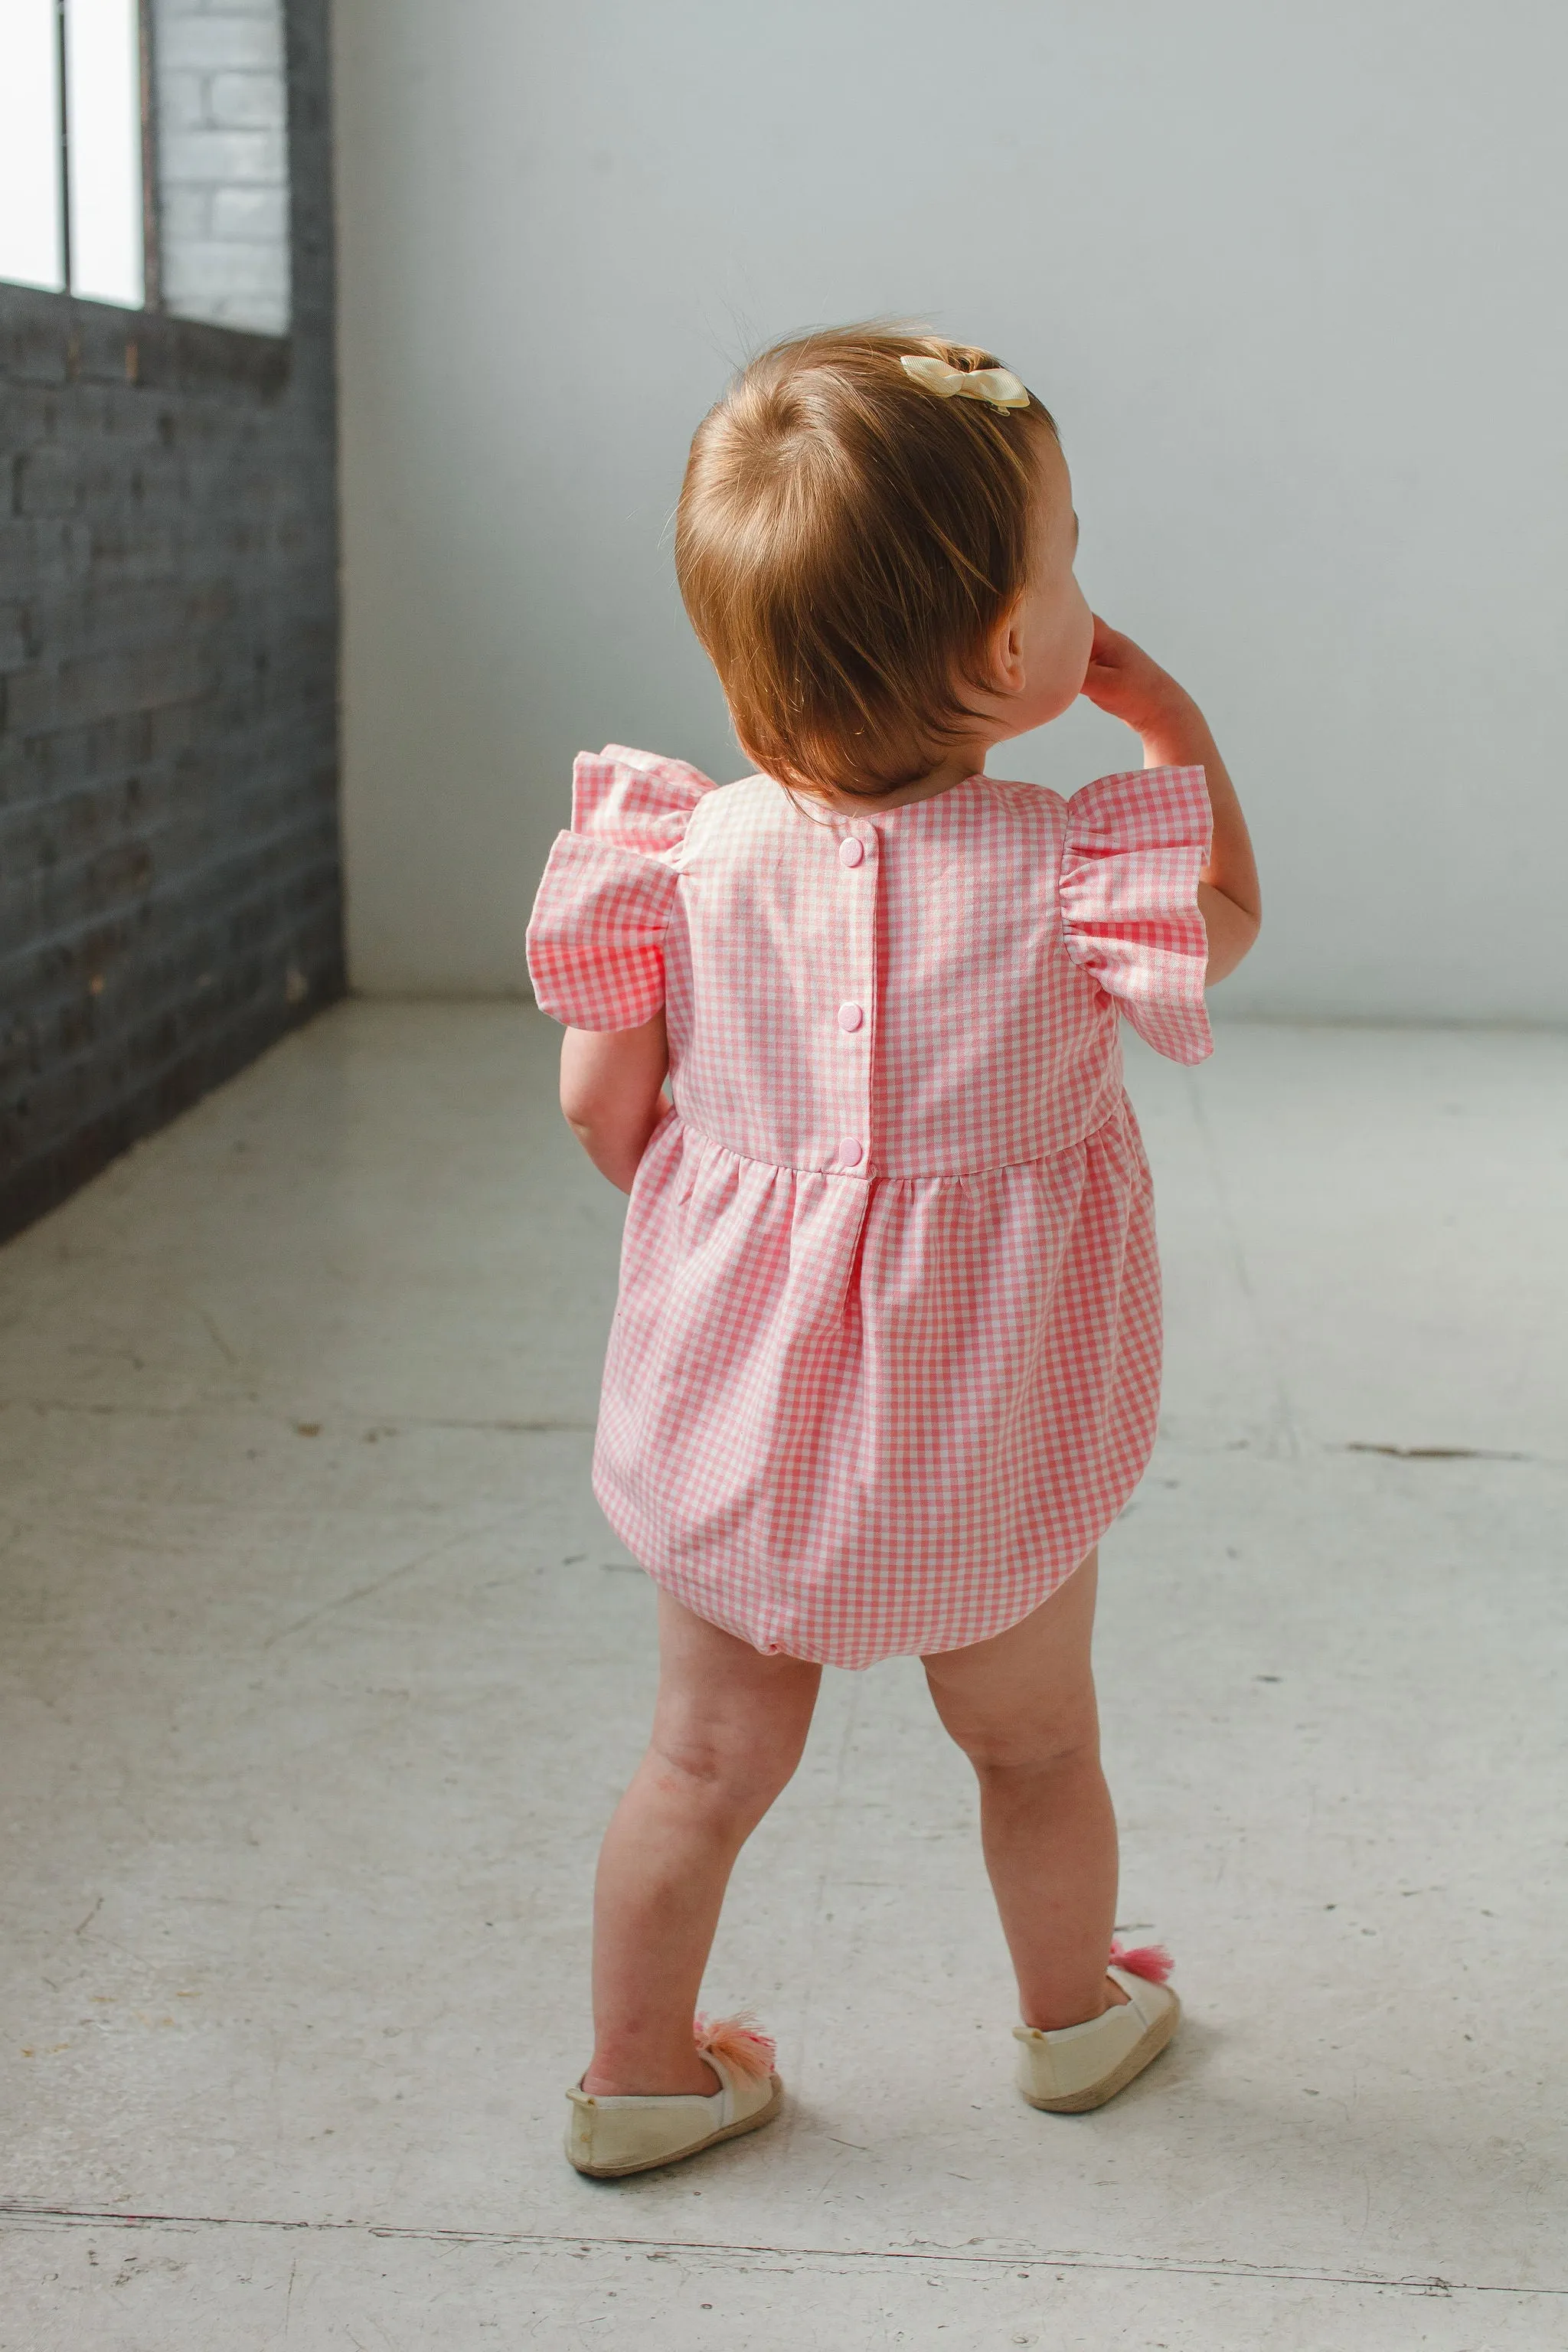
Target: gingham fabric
[[886, 1359]]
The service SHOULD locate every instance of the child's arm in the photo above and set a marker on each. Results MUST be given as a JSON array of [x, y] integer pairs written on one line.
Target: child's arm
[[1124, 681], [610, 1082]]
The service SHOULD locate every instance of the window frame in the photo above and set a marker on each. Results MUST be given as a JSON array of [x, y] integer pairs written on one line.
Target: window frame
[[146, 154]]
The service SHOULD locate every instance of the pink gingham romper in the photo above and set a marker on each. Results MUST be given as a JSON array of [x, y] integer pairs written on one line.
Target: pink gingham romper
[[885, 1360]]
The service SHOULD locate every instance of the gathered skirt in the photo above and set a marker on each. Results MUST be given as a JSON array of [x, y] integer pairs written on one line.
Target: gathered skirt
[[849, 1420]]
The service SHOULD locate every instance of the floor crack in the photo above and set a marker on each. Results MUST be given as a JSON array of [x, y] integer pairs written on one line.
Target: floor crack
[[18, 2213]]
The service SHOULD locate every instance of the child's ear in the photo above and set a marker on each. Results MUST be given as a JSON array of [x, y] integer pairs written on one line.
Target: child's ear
[[1007, 673]]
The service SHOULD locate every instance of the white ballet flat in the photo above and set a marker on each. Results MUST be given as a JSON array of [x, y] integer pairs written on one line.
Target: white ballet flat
[[608, 2138], [1072, 2068]]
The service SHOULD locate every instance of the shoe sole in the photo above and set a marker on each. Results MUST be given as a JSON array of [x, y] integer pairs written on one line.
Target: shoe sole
[[678, 2156], [1142, 2053]]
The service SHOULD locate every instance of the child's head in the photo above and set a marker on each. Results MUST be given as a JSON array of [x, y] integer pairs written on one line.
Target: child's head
[[878, 574]]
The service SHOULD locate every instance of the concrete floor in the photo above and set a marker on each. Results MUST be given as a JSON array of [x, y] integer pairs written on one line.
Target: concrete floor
[[321, 1672]]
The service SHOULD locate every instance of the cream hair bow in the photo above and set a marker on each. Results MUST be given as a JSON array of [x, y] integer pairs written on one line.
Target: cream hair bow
[[998, 387]]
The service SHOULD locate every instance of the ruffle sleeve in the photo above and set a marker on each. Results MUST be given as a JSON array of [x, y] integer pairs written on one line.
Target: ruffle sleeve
[[595, 938], [1136, 845]]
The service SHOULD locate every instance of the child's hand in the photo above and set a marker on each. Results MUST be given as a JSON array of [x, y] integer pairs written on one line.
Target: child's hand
[[1122, 680]]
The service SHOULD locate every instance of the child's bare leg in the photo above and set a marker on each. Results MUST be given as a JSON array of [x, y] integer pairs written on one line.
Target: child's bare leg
[[728, 1731], [1022, 1708]]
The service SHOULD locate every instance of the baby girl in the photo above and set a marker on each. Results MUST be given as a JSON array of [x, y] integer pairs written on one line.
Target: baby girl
[[885, 1360]]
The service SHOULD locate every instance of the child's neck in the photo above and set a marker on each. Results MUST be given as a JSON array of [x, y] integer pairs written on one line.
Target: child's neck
[[967, 759]]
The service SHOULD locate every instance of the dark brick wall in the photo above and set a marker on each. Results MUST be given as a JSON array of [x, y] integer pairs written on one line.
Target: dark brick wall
[[170, 890]]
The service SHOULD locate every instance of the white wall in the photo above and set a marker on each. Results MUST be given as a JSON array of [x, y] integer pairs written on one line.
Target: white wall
[[1287, 275]]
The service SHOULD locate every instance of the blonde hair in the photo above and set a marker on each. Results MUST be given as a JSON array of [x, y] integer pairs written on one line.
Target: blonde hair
[[845, 541]]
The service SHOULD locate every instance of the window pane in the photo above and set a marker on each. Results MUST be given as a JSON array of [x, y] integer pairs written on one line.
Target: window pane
[[29, 144], [103, 115]]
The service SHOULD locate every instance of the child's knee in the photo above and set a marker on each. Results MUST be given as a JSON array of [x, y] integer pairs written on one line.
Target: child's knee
[[999, 1759], [1006, 1743], [732, 1768]]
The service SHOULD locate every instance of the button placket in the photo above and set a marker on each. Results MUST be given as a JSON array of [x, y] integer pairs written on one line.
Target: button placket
[[857, 852]]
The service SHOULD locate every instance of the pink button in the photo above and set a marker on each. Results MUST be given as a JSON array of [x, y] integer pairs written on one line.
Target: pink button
[[851, 1153], [850, 1017], [851, 852]]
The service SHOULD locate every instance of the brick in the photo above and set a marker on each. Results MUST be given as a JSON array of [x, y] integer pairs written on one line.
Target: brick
[[16, 636], [42, 555], [209, 43], [246, 101], [229, 271], [34, 346], [114, 615], [182, 100], [62, 831], [215, 158], [48, 482], [31, 411], [183, 214], [43, 767], [136, 680], [139, 545], [259, 215]]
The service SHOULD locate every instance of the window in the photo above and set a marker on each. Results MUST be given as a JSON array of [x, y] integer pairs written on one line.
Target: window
[[193, 219], [71, 211]]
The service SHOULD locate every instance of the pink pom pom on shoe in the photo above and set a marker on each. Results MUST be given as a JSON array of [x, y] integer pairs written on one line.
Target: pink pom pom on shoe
[[1150, 1960], [737, 2041]]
